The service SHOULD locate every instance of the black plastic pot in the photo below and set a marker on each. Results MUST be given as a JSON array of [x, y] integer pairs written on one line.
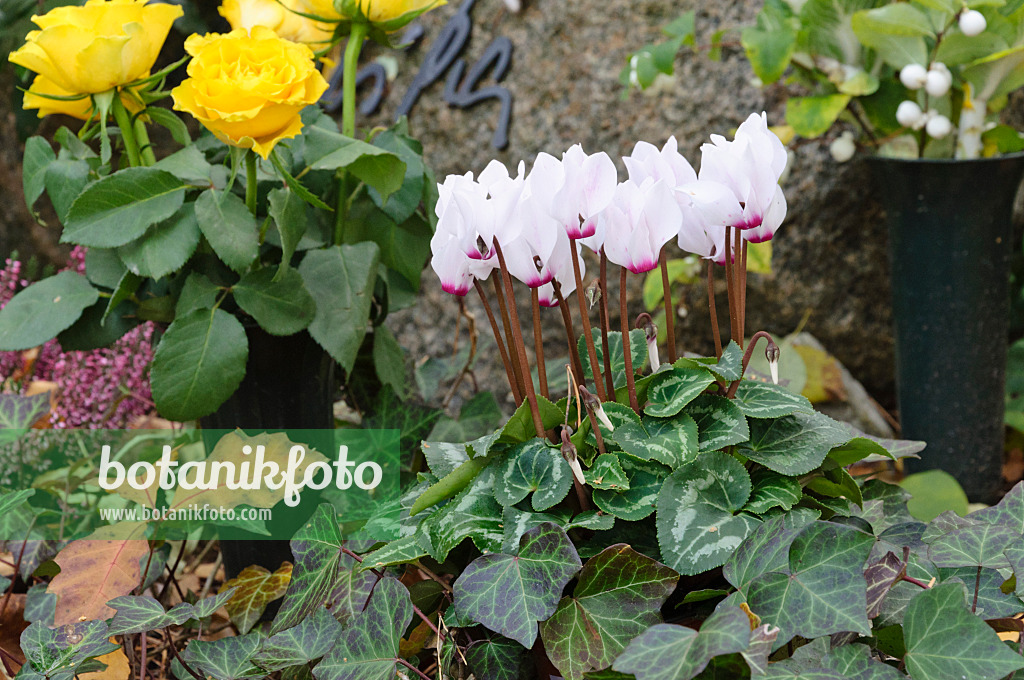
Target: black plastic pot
[[950, 241], [288, 385]]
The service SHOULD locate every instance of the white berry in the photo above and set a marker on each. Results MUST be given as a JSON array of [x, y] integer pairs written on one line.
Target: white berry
[[913, 76], [843, 148], [938, 82], [938, 126], [909, 114], [972, 22]]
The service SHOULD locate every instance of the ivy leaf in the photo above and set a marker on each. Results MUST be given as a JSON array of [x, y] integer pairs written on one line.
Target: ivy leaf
[[793, 445], [645, 480], [936, 617], [509, 594], [762, 639], [993, 603], [306, 642], [671, 390], [670, 652], [40, 605], [317, 551], [255, 587], [496, 658], [823, 558], [352, 588], [637, 350], [369, 648], [671, 441], [1015, 556], [206, 607], [138, 614], [516, 522], [278, 301], [619, 594], [228, 658], [606, 473], [854, 662], [1008, 512], [56, 653], [973, 544], [720, 422], [880, 576], [772, 490], [698, 524], [473, 514], [761, 400], [44, 309], [535, 467]]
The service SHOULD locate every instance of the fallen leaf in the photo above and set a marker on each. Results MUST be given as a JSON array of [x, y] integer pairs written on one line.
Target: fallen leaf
[[256, 588], [117, 667]]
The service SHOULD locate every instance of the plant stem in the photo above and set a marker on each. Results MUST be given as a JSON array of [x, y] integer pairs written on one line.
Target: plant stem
[[712, 308], [174, 652], [146, 154], [415, 670], [143, 643], [730, 284], [124, 123], [250, 181], [517, 336], [595, 370], [570, 332], [538, 344], [351, 65], [919, 584], [670, 310], [746, 359], [501, 344], [977, 585], [513, 357], [623, 318], [739, 276], [604, 324]]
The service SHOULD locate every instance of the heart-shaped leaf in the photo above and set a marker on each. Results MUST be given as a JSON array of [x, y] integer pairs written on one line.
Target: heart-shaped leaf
[[228, 658], [793, 445], [973, 544], [56, 653], [637, 351], [671, 390], [670, 441], [772, 490], [301, 644], [473, 514], [767, 548], [641, 499], [762, 400], [606, 473], [317, 551], [533, 467], [720, 422], [138, 614]]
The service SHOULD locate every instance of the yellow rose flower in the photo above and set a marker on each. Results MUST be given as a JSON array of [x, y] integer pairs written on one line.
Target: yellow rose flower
[[96, 47], [35, 98], [379, 11], [249, 88], [278, 17], [319, 8]]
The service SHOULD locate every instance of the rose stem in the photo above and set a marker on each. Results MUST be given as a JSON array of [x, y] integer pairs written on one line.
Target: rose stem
[[714, 310], [740, 281], [145, 146], [538, 344], [670, 311], [250, 181], [124, 122], [624, 321], [501, 345], [604, 324], [517, 337], [587, 334], [513, 357], [570, 332], [348, 118]]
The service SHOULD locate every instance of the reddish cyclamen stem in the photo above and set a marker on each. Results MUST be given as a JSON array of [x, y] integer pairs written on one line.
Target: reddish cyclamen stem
[[587, 334], [746, 358], [713, 309], [670, 310], [610, 385], [513, 358], [739, 282], [538, 344], [501, 344], [570, 332], [624, 319]]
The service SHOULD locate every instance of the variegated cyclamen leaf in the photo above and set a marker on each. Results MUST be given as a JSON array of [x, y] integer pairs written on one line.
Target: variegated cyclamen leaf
[[509, 594], [317, 551], [793, 445], [673, 389], [400, 551], [619, 595], [823, 558], [720, 422], [255, 588], [762, 400], [619, 415], [497, 658], [56, 653], [670, 441], [974, 544], [772, 490], [533, 467], [368, 650], [606, 473], [698, 524], [473, 514], [640, 500], [444, 457], [637, 350], [767, 548], [228, 658], [670, 652], [517, 522], [138, 614], [301, 644]]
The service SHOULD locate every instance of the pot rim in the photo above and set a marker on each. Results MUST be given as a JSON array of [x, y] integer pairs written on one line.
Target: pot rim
[[895, 160]]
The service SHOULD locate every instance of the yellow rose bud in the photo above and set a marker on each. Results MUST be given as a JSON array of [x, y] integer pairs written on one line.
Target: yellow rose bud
[[99, 46], [249, 88], [319, 8], [379, 11], [280, 17]]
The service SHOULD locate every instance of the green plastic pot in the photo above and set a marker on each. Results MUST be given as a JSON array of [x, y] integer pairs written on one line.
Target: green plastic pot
[[950, 241]]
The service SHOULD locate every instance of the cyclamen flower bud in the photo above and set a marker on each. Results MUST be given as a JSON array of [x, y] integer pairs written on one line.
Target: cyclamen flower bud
[[569, 453], [646, 324], [972, 22], [771, 353], [593, 405], [913, 76]]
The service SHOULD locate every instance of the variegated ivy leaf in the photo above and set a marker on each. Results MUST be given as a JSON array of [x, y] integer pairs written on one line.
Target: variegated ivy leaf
[[205, 608], [1008, 512], [517, 522], [606, 473], [880, 576], [473, 514], [671, 390], [670, 652], [993, 603], [308, 641], [793, 445], [509, 594], [138, 614], [40, 605], [772, 490], [352, 587], [854, 662], [57, 653], [699, 523], [885, 505], [640, 500], [317, 551], [670, 441], [823, 558], [255, 588], [767, 548], [1015, 556], [533, 467], [720, 422], [228, 658], [756, 654], [405, 549], [973, 544], [497, 658], [619, 595], [763, 400], [368, 650]]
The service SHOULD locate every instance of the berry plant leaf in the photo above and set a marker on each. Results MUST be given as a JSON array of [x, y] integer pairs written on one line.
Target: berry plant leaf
[[698, 524], [369, 647], [671, 390], [938, 616], [720, 422], [255, 588], [228, 658], [509, 594], [822, 590], [669, 652], [670, 441], [762, 400], [619, 595], [641, 499], [301, 644], [317, 551], [533, 467], [56, 653], [793, 445]]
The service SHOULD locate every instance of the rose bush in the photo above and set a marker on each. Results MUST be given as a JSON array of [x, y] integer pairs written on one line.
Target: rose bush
[[284, 18]]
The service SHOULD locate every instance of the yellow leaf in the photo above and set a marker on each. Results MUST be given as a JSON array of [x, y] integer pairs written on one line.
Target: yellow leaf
[[117, 667], [824, 377], [256, 588]]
